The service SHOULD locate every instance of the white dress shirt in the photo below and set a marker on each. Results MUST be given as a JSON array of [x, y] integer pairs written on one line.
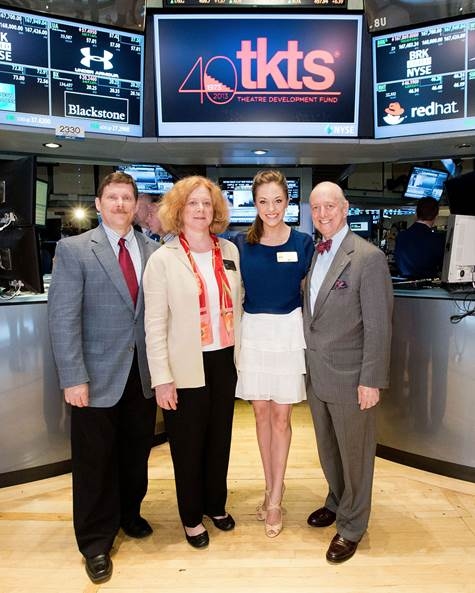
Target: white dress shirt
[[132, 246], [323, 263]]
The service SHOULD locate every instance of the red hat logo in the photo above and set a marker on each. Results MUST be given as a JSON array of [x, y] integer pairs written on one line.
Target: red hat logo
[[394, 113]]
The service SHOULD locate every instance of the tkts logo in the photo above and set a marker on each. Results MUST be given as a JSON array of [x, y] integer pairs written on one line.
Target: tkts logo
[[259, 77]]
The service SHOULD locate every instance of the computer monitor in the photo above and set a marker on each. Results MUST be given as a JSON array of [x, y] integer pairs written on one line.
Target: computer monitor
[[424, 182], [41, 202], [361, 224], [17, 179], [461, 194], [149, 178], [459, 258], [242, 212], [20, 258]]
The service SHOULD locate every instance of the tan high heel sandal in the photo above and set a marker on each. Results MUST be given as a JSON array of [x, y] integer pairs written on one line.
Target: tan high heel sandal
[[261, 508], [273, 530]]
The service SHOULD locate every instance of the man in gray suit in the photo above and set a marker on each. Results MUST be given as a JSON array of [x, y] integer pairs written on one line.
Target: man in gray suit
[[347, 320], [96, 320]]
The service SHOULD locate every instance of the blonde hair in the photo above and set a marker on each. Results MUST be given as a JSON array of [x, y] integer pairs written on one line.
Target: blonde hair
[[255, 231], [173, 202]]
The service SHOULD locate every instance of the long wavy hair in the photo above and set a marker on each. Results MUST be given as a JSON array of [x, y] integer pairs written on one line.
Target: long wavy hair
[[256, 230]]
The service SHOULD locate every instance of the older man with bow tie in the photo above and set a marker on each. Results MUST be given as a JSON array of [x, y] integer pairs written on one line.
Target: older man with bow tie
[[347, 320]]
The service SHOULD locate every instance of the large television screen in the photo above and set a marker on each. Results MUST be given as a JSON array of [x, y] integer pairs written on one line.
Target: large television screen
[[424, 182], [387, 14], [242, 212], [55, 72], [149, 179], [424, 80], [257, 74]]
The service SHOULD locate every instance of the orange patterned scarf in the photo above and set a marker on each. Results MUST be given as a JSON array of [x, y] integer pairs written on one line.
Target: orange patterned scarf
[[226, 318]]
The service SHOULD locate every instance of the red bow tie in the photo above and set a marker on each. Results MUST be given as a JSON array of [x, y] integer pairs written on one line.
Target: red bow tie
[[323, 246]]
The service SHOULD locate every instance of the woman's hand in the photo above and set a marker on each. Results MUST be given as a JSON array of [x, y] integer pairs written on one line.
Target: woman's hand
[[166, 396]]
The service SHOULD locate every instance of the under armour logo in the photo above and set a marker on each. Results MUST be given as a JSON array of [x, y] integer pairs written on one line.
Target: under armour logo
[[88, 58]]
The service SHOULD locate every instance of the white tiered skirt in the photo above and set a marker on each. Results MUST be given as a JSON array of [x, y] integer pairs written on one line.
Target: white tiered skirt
[[271, 363]]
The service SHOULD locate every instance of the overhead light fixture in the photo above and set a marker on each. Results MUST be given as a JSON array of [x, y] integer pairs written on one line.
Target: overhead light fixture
[[51, 145], [464, 145], [260, 151]]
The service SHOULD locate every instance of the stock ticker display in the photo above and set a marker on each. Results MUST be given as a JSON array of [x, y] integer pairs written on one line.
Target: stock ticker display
[[424, 80], [55, 72]]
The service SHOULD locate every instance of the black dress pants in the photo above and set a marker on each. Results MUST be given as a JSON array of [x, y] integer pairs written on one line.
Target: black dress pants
[[110, 450], [199, 431]]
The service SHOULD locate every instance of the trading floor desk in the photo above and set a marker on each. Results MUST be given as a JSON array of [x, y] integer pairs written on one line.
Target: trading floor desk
[[427, 416], [34, 419]]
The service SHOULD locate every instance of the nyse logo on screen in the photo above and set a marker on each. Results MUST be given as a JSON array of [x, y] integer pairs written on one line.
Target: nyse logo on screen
[[5, 48], [419, 63], [253, 74]]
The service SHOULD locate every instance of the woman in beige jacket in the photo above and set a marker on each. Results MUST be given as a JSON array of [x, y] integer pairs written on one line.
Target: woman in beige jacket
[[192, 288]]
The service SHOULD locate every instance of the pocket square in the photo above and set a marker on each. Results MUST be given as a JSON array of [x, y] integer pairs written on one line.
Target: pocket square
[[340, 284]]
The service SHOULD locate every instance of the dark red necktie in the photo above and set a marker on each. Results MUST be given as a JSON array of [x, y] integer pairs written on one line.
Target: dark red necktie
[[127, 265], [323, 246]]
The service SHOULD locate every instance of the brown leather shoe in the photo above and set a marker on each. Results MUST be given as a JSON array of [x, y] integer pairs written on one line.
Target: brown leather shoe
[[321, 518], [340, 549]]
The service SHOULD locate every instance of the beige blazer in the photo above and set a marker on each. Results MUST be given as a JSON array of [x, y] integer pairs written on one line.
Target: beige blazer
[[172, 316]]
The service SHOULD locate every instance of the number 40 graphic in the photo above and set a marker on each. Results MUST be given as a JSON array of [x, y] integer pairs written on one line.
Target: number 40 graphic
[[209, 85]]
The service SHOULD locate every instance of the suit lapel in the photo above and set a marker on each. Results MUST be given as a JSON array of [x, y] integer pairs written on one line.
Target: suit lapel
[[340, 261], [102, 249]]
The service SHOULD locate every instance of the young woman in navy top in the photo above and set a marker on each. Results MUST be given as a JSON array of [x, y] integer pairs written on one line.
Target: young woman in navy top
[[271, 366]]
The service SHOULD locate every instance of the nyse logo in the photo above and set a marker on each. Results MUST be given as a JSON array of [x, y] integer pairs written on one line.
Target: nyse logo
[[5, 48], [419, 63], [105, 59], [252, 70]]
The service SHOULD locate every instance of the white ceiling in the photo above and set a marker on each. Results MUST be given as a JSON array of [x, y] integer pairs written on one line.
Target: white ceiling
[[101, 149]]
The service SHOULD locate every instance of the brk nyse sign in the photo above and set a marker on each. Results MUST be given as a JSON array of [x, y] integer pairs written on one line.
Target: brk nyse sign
[[257, 75]]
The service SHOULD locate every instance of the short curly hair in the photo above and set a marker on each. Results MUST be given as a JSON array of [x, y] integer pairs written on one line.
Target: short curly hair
[[174, 201]]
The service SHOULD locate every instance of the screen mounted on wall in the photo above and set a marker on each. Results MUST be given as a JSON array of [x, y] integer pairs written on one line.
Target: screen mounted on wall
[[61, 73], [387, 14], [424, 182], [242, 212], [424, 80], [257, 75], [149, 179]]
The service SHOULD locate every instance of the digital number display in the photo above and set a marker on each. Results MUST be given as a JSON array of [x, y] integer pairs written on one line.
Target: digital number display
[[257, 3], [56, 72], [424, 80], [258, 75]]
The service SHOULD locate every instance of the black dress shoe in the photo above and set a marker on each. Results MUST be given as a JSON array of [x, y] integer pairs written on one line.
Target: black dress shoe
[[198, 541], [99, 568], [340, 549], [225, 523], [321, 518], [137, 528]]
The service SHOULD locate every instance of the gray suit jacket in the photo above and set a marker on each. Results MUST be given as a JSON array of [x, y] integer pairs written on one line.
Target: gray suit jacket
[[348, 334], [94, 326]]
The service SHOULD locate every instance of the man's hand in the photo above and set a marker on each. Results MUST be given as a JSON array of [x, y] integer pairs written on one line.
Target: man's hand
[[367, 397], [77, 395]]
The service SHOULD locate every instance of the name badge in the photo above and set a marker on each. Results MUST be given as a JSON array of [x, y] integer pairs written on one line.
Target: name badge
[[229, 264], [287, 256]]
